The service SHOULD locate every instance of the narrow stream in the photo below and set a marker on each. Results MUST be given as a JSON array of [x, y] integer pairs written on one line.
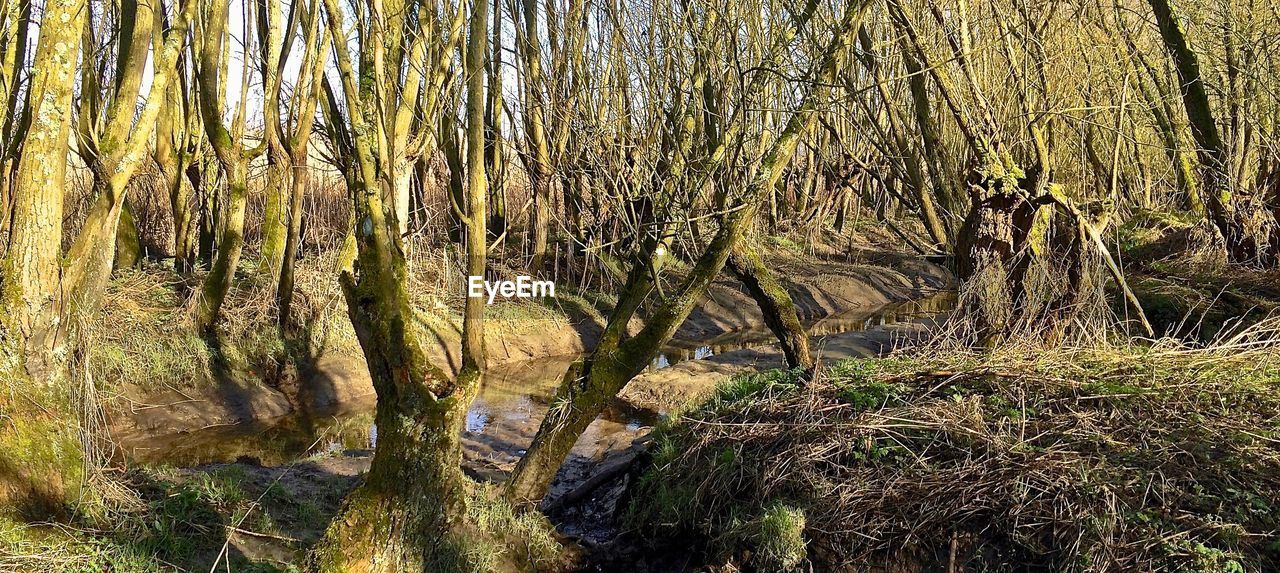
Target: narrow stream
[[502, 420]]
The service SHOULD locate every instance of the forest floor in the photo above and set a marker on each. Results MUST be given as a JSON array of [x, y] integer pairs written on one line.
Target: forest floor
[[1184, 290], [1120, 454]]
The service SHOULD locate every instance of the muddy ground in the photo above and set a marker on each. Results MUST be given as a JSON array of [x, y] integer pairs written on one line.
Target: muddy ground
[[591, 488], [821, 285], [588, 495]]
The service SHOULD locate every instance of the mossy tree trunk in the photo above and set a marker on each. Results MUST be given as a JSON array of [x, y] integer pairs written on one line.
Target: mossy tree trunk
[[128, 244], [275, 218], [69, 284], [234, 162], [29, 273], [32, 442], [230, 245], [775, 304], [907, 164], [941, 171], [202, 177], [409, 514], [120, 145], [275, 221], [473, 355], [1154, 85], [44, 294]]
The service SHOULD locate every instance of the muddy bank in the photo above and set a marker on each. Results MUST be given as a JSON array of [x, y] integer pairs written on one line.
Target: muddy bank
[[337, 379], [849, 335], [316, 466]]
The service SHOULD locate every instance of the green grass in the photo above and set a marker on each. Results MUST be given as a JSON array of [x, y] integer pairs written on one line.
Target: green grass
[[525, 538], [167, 519], [779, 537]]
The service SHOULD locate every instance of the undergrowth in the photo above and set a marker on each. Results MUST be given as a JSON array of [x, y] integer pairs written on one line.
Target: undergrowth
[[1177, 269], [524, 539], [150, 521], [146, 336], [1110, 457]]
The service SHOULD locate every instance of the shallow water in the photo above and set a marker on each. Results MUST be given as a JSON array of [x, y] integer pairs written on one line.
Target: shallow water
[[678, 351], [502, 420]]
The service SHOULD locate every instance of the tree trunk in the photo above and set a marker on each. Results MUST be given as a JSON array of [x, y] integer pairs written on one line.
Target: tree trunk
[[457, 181], [473, 356], [207, 203], [940, 169], [495, 158], [41, 466], [180, 195], [539, 167], [216, 285], [541, 224], [409, 514], [284, 290], [30, 271], [775, 304], [233, 160], [990, 252], [128, 244], [589, 386], [275, 218]]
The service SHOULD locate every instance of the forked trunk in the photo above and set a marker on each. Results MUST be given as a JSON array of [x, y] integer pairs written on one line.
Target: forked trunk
[[408, 515]]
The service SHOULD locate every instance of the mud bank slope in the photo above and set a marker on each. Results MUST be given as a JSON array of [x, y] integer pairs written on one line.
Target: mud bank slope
[[820, 286]]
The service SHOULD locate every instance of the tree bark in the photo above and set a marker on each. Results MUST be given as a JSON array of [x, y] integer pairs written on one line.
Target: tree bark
[[775, 304], [128, 243], [30, 271], [473, 356]]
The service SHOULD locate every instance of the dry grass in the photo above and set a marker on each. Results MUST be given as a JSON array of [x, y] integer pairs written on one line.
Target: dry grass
[[1091, 458]]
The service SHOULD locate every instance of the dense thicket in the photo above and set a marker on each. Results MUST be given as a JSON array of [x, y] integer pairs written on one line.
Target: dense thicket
[[629, 146]]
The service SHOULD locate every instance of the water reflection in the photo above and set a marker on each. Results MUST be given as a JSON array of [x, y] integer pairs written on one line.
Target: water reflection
[[498, 427], [502, 420], [678, 351]]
